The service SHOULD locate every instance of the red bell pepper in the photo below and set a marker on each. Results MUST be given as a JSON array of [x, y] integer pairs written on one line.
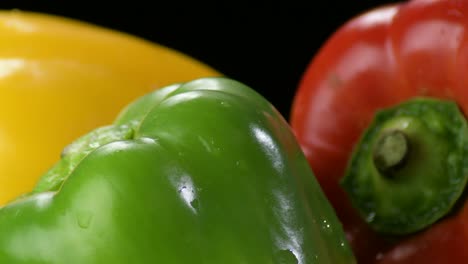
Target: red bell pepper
[[378, 59]]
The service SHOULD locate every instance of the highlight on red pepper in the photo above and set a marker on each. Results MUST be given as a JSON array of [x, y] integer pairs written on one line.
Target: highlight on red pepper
[[205, 171], [380, 114]]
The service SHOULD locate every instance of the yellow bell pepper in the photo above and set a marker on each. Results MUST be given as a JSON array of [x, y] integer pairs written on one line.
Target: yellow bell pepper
[[59, 78]]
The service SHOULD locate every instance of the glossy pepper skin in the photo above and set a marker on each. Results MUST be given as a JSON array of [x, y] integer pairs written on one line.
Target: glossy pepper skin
[[200, 172], [60, 78], [375, 61]]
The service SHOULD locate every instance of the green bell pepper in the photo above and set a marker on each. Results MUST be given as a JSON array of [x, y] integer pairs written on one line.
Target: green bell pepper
[[201, 172]]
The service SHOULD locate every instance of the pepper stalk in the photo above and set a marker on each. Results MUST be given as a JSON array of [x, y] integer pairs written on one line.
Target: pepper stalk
[[410, 166]]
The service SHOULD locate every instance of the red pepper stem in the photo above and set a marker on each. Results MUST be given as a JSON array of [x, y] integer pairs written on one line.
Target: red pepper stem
[[410, 166], [391, 151]]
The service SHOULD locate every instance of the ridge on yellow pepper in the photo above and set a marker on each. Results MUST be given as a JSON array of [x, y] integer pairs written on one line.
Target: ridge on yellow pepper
[[60, 77]]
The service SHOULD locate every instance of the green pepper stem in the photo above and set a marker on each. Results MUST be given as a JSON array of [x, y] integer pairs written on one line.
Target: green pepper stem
[[391, 151]]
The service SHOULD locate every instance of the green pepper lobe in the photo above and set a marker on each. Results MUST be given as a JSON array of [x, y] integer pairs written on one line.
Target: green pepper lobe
[[200, 172], [410, 166]]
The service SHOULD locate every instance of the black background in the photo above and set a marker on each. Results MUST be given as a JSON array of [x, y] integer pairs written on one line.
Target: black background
[[264, 44]]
